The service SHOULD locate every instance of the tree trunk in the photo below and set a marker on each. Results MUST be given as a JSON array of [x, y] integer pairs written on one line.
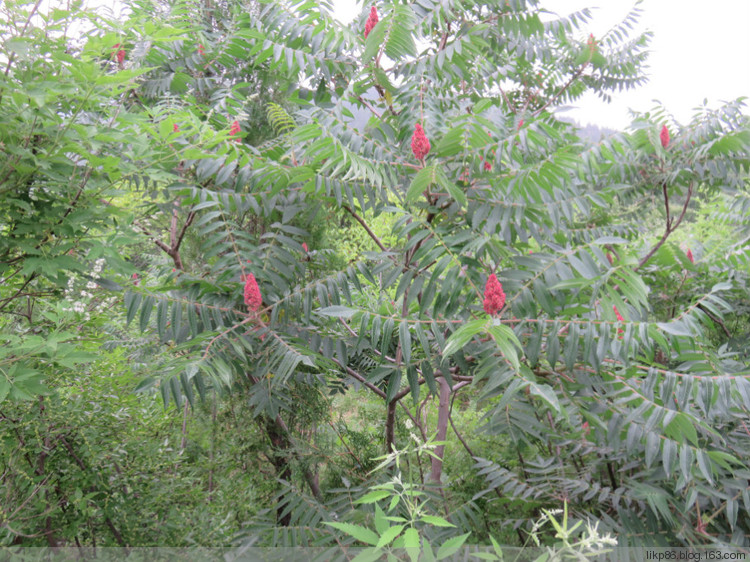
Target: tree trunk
[[280, 460], [444, 409], [283, 450], [390, 423]]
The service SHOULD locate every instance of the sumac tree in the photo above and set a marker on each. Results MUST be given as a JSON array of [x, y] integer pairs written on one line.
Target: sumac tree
[[636, 420]]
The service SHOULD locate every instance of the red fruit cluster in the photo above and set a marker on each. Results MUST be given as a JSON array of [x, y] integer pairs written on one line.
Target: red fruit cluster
[[494, 297], [591, 43], [664, 136], [253, 300], [371, 21], [234, 129], [175, 128], [690, 256], [304, 247], [420, 146], [619, 318], [617, 313], [120, 54]]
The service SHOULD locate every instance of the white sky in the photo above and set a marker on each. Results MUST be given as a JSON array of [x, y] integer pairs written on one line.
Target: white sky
[[700, 49]]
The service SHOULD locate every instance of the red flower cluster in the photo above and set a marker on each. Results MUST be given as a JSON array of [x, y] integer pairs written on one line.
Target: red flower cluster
[[304, 247], [619, 318], [488, 164], [690, 256], [494, 297], [200, 50], [420, 146], [234, 129], [664, 136], [120, 54], [520, 124], [591, 43], [371, 21], [253, 300], [176, 128], [617, 313], [134, 277]]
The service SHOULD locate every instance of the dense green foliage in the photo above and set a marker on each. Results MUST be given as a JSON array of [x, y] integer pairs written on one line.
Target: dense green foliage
[[152, 171]]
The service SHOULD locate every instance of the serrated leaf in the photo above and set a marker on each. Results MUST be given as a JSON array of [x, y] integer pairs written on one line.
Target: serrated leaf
[[668, 456], [507, 342], [704, 463], [411, 543], [421, 182], [132, 303], [372, 497], [337, 311], [547, 394], [368, 555], [675, 328], [436, 521], [389, 535], [463, 335], [405, 340], [450, 546], [360, 533]]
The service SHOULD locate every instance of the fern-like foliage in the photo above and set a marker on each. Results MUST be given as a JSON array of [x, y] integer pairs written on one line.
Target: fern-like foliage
[[633, 418]]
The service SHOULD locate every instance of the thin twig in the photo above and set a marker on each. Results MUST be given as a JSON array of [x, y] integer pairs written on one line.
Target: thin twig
[[354, 374], [364, 102], [455, 430], [23, 31], [369, 231], [565, 86], [671, 225]]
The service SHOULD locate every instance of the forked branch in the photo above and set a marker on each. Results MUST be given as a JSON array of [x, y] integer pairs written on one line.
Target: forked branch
[[671, 223]]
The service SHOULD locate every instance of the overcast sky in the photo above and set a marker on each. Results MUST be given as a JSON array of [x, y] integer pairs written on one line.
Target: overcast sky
[[699, 50]]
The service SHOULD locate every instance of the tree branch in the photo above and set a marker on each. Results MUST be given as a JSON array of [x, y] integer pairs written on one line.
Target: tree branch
[[153, 238], [368, 106], [670, 227], [118, 536], [355, 375], [560, 92], [460, 437], [23, 32], [361, 221]]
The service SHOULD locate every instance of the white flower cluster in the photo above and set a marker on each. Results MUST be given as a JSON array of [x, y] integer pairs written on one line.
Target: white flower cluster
[[77, 300], [594, 540], [72, 302], [591, 543]]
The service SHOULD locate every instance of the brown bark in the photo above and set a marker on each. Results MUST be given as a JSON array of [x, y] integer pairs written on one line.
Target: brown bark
[[436, 469], [390, 424], [671, 223], [283, 449], [278, 458]]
